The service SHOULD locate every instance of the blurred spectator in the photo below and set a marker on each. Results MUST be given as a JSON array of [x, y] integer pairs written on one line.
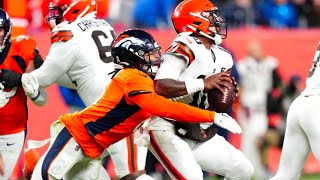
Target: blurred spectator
[[277, 14], [309, 12], [120, 14], [257, 73], [293, 89], [240, 13], [36, 17], [153, 13], [275, 134]]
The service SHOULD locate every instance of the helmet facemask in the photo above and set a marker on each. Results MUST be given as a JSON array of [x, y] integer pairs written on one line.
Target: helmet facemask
[[217, 23], [6, 25], [217, 28], [151, 61], [55, 15]]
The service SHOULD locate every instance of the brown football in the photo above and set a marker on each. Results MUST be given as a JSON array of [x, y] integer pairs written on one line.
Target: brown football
[[219, 102]]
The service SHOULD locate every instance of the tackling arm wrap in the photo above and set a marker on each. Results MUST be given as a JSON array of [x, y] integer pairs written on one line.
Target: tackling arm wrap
[[173, 110]]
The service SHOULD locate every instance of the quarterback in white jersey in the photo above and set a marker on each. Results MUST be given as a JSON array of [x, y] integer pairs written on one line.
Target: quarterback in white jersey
[[302, 136], [80, 58], [191, 63]]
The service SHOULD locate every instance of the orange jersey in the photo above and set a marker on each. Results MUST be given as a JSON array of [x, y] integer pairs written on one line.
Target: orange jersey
[[17, 58], [127, 102]]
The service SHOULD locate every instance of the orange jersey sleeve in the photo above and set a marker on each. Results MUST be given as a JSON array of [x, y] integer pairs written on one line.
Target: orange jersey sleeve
[[160, 106], [141, 92]]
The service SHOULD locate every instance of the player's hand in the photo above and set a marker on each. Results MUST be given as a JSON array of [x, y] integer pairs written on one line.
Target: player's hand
[[234, 82], [10, 78], [225, 121], [30, 85], [216, 81]]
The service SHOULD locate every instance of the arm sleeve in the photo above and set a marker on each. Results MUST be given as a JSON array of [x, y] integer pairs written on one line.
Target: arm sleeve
[[160, 106], [171, 67], [65, 81], [60, 58]]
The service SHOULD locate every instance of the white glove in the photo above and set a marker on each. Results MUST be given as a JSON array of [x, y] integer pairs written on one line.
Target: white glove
[[225, 121], [30, 86], [3, 99], [5, 96]]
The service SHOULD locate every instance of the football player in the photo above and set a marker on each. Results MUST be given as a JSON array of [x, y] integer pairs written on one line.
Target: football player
[[302, 136], [18, 54], [80, 58], [125, 104], [186, 149]]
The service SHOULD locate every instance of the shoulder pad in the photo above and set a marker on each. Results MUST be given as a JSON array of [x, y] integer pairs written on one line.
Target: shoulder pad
[[24, 44], [24, 40], [181, 49], [61, 36], [223, 49]]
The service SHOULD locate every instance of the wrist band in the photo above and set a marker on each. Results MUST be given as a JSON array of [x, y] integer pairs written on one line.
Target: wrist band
[[36, 97], [194, 85]]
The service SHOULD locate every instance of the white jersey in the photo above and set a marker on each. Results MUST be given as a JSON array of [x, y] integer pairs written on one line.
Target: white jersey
[[79, 57], [256, 81], [187, 58], [312, 82]]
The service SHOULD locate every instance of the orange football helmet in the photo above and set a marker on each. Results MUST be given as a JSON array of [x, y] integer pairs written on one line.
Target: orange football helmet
[[201, 17], [68, 10]]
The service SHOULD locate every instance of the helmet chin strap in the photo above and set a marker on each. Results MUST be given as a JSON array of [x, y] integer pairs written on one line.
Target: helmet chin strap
[[217, 38]]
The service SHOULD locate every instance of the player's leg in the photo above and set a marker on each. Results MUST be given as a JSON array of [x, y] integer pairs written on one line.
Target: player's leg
[[254, 125], [219, 156], [11, 147], [296, 147], [310, 122], [128, 158], [62, 155], [87, 169], [175, 155]]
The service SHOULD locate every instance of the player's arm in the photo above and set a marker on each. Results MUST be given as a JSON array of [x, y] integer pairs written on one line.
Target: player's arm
[[37, 95], [60, 58], [160, 106], [168, 85]]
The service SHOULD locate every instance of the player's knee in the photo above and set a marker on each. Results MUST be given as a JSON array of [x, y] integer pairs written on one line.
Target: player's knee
[[247, 169], [243, 170]]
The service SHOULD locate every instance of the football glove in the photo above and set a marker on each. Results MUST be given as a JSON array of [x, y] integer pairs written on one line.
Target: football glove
[[30, 86], [10, 78], [225, 121]]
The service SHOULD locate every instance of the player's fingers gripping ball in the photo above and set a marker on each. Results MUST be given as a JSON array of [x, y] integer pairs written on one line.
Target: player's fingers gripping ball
[[221, 102]]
